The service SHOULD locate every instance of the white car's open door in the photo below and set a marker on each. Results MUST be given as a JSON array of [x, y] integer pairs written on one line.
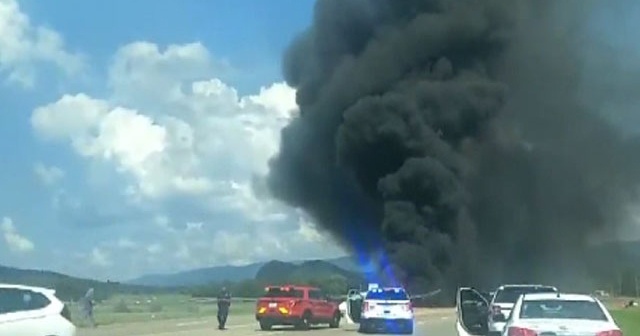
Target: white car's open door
[[471, 309], [354, 305]]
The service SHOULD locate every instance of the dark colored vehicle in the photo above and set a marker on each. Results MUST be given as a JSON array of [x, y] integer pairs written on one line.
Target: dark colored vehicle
[[298, 306]]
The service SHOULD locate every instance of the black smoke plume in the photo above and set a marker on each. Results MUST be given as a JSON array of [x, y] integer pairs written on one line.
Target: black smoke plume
[[452, 135]]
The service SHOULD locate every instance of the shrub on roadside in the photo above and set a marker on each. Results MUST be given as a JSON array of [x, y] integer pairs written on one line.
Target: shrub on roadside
[[193, 309], [155, 307], [121, 307]]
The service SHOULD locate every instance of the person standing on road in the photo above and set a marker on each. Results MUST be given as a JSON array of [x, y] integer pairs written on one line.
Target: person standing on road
[[224, 302]]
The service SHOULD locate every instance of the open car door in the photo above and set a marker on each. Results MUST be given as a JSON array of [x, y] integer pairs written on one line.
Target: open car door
[[354, 305], [472, 309]]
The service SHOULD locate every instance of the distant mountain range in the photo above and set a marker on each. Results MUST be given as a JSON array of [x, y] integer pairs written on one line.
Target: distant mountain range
[[68, 287], [618, 255], [626, 255], [207, 275]]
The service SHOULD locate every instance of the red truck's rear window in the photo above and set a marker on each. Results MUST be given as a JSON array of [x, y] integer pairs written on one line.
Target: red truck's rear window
[[277, 292]]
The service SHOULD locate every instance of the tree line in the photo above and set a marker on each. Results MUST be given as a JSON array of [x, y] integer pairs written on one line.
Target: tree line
[[331, 285]]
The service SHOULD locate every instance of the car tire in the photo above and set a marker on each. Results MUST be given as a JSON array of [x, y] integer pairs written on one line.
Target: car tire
[[363, 328], [265, 326], [305, 321], [335, 322]]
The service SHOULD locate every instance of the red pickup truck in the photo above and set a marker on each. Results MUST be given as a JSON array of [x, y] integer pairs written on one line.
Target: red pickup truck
[[298, 306]]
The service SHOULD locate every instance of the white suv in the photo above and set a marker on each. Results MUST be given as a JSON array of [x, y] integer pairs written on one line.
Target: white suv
[[33, 311], [503, 301], [387, 309]]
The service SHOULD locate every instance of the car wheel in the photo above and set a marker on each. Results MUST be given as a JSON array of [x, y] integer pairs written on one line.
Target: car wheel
[[265, 326], [335, 322], [363, 328], [305, 321]]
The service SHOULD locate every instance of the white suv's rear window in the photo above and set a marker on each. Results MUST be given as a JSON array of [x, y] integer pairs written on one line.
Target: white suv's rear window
[[511, 294], [387, 294]]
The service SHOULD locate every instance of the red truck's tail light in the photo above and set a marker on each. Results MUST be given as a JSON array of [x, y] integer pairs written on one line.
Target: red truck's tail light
[[517, 331], [610, 333]]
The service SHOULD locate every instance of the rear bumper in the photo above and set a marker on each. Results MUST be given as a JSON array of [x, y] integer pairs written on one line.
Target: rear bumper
[[273, 319], [386, 324]]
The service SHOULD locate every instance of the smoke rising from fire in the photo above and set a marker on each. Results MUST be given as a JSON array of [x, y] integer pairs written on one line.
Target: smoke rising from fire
[[453, 135]]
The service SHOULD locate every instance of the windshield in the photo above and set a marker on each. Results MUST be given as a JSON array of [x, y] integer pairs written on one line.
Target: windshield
[[277, 292], [562, 309], [387, 294], [511, 294]]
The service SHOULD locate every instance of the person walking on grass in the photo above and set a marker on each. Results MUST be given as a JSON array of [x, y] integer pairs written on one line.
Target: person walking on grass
[[224, 302], [86, 307]]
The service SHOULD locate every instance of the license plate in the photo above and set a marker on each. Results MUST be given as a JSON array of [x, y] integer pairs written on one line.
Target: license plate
[[387, 312], [273, 305]]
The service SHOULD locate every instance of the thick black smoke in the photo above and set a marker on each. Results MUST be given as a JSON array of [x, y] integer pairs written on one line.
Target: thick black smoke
[[451, 134]]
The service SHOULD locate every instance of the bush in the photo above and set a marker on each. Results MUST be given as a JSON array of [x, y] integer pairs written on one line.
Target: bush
[[193, 309], [121, 307], [155, 307]]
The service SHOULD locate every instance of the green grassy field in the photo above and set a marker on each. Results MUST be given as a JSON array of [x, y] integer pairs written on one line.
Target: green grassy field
[[628, 320], [127, 309]]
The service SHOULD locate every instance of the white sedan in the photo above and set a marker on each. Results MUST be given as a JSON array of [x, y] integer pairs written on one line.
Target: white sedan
[[28, 311], [560, 314]]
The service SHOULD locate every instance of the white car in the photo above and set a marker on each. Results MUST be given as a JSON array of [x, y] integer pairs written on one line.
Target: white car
[[387, 309], [33, 311], [560, 314], [503, 300]]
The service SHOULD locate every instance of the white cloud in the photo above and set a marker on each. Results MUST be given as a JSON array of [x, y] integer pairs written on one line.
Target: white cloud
[[23, 46], [176, 133], [206, 141], [48, 175], [15, 242], [98, 257]]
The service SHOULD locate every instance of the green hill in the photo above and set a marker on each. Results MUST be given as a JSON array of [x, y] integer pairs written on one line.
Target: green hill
[[70, 288], [219, 274], [278, 272], [332, 279]]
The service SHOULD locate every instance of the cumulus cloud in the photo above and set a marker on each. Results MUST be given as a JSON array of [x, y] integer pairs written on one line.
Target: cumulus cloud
[[24, 46], [177, 135], [48, 175], [15, 241], [100, 258]]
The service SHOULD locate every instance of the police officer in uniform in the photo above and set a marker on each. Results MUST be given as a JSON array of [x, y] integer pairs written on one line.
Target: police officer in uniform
[[224, 302]]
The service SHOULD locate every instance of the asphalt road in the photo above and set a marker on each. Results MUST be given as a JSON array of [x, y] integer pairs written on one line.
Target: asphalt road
[[441, 324]]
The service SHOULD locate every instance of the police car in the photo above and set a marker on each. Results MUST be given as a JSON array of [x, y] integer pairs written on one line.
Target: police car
[[387, 309]]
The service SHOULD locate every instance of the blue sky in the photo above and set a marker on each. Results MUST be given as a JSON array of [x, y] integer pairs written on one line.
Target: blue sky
[[132, 130]]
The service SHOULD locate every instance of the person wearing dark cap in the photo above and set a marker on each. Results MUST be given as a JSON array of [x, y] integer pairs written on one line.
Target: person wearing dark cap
[[224, 302]]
